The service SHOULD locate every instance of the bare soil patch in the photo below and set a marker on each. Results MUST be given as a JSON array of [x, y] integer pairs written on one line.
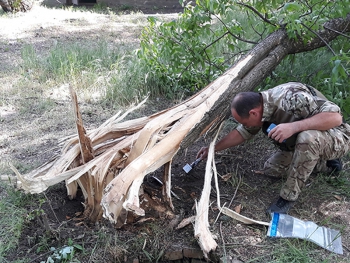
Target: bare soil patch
[[127, 6], [153, 238]]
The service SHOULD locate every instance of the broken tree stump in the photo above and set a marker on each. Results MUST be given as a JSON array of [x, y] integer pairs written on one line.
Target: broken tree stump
[[127, 151]]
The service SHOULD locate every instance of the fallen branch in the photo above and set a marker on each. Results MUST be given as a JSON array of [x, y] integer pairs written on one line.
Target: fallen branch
[[231, 213], [202, 233], [201, 227]]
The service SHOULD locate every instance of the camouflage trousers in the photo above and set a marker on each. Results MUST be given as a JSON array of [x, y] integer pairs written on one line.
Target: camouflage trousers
[[313, 148]]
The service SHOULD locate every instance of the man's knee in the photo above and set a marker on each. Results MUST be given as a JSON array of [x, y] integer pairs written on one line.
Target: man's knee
[[306, 138], [278, 164], [309, 143]]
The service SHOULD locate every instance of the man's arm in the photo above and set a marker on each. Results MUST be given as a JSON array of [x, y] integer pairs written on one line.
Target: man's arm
[[322, 121], [232, 139]]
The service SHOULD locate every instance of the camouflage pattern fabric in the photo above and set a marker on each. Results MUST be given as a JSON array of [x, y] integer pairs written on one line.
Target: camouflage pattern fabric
[[313, 149], [278, 164], [288, 103], [291, 102]]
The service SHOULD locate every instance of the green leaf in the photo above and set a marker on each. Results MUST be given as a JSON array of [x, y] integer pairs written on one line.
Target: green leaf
[[231, 47], [291, 7], [77, 246], [337, 62]]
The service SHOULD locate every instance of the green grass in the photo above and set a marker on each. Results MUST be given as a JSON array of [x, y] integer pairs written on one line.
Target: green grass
[[13, 212], [329, 185], [16, 210], [117, 74], [296, 251], [67, 63], [293, 250]]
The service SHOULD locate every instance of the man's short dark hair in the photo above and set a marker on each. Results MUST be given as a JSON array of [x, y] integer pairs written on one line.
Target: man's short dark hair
[[243, 102]]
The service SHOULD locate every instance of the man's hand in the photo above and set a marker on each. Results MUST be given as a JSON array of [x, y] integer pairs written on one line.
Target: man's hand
[[232, 139], [322, 121], [203, 153], [282, 131]]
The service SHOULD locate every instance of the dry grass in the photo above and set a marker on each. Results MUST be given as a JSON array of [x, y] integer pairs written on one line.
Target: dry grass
[[30, 108]]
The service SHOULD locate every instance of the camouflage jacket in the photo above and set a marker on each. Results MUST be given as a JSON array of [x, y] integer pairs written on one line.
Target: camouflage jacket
[[289, 102]]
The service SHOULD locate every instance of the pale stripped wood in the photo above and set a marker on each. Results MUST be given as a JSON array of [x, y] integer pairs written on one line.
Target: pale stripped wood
[[241, 218], [122, 192], [202, 232], [186, 221], [152, 142], [166, 188], [229, 212], [187, 114], [58, 169], [91, 188], [201, 226]]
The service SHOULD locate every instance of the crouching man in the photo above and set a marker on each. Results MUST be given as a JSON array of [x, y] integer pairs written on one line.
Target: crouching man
[[308, 128]]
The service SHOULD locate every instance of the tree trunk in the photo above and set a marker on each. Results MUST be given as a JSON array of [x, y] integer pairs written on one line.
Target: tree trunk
[[189, 120], [16, 5], [126, 151]]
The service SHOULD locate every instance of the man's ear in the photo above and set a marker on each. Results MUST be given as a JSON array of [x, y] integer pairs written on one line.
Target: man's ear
[[253, 112], [256, 112]]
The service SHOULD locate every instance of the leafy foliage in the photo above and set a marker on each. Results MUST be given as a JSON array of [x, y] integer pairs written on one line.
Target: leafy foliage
[[211, 35], [317, 68], [65, 254], [196, 48]]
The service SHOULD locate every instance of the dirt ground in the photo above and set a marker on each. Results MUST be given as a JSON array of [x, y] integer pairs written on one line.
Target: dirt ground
[[153, 238], [146, 7]]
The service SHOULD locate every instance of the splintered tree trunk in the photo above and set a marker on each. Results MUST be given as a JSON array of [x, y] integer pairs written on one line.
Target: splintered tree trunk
[[16, 5], [185, 123], [110, 163]]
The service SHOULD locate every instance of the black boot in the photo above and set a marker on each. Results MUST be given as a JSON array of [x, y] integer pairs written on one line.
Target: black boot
[[336, 165], [281, 206]]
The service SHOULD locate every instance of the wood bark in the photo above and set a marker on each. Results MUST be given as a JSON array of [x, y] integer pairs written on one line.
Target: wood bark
[[125, 152], [16, 6]]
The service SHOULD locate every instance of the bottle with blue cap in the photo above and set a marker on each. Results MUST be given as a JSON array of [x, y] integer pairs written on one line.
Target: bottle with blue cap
[[283, 225]]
